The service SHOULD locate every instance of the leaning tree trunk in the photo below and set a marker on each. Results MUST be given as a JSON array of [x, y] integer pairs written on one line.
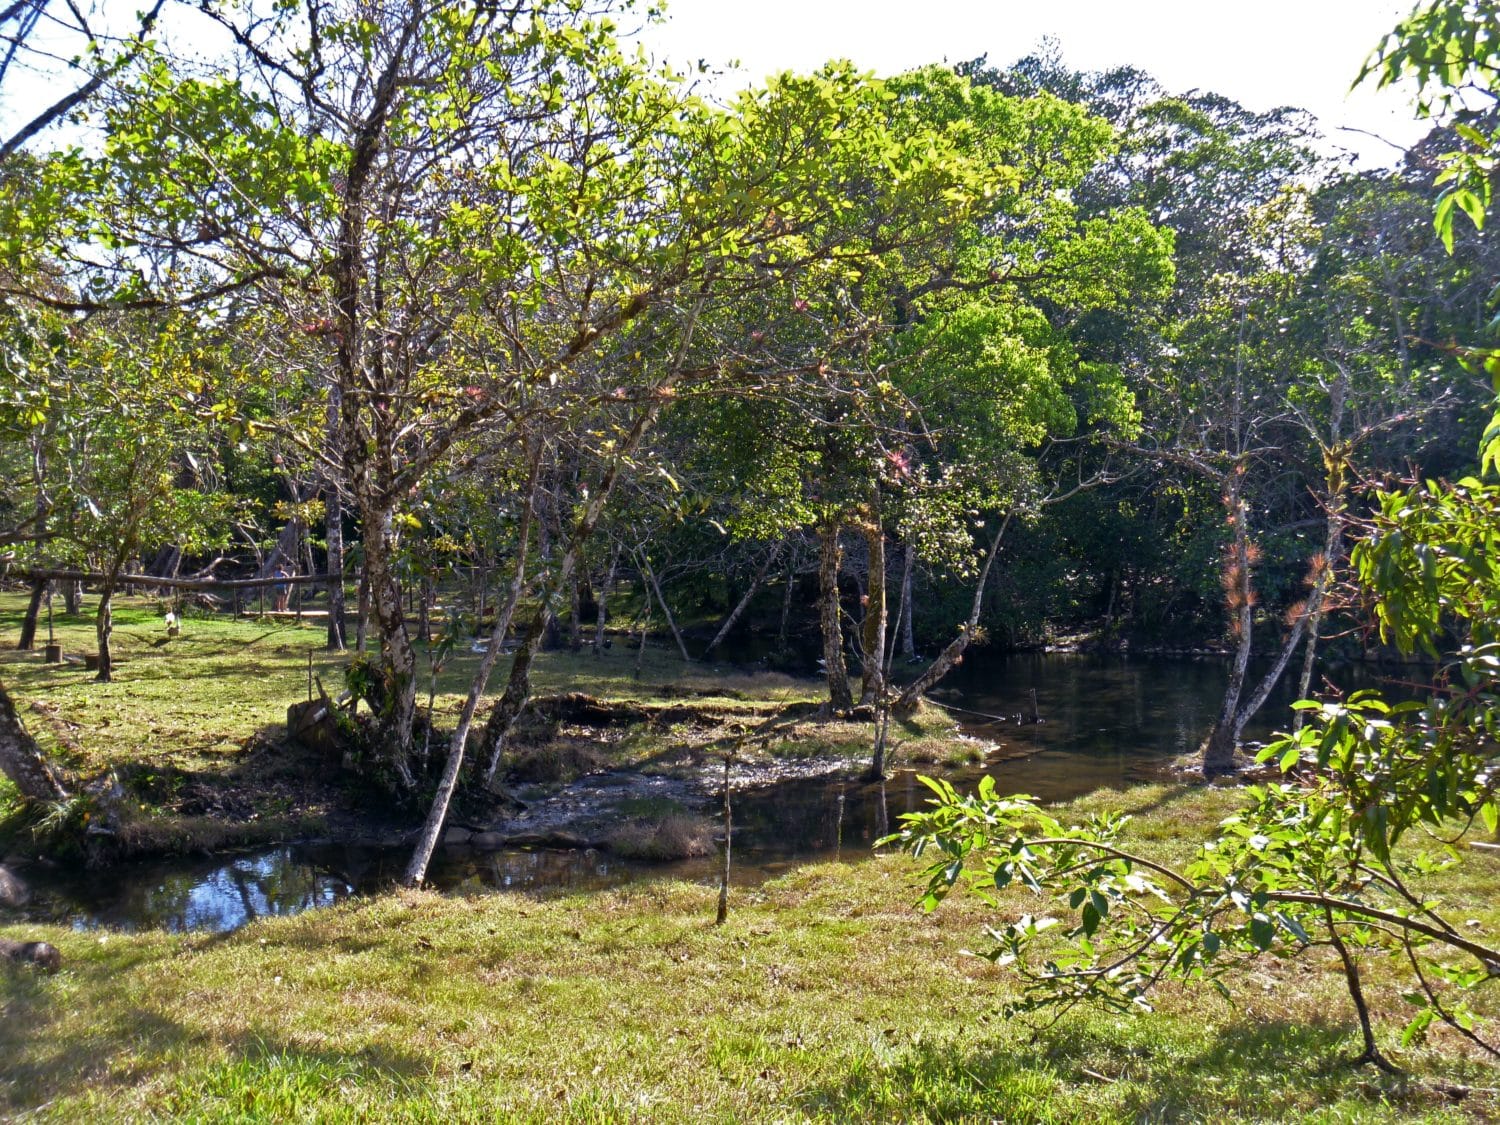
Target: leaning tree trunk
[[873, 637], [840, 698], [416, 870], [1271, 679], [22, 760], [33, 612], [911, 695], [744, 603], [645, 563]]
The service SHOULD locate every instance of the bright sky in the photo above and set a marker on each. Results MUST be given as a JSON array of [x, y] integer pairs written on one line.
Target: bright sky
[[1262, 53]]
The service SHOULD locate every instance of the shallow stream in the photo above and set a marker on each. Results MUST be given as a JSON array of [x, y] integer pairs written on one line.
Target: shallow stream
[[1107, 722]]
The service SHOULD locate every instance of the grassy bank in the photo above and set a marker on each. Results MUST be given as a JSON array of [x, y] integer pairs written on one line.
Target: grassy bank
[[826, 997], [194, 724]]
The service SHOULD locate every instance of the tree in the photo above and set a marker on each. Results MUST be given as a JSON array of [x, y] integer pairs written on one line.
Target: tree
[[1332, 855]]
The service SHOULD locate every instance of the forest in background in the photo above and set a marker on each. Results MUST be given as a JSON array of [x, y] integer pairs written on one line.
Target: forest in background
[[990, 352], [487, 331]]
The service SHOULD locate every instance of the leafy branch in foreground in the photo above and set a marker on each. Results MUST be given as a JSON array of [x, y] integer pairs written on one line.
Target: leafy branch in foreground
[[1297, 868], [1375, 800]]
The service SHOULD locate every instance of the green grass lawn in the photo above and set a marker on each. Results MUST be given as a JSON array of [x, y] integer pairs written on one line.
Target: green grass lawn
[[195, 699], [826, 997], [197, 720]]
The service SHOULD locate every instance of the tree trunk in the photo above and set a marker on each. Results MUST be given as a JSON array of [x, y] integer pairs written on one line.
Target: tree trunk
[[41, 510], [911, 695], [1218, 749], [872, 681], [432, 828], [908, 642], [72, 593], [518, 688], [744, 603], [829, 557], [285, 550], [1315, 605], [333, 527], [33, 612], [665, 608], [793, 558], [398, 660], [517, 692], [104, 626], [425, 601], [575, 618], [551, 635], [1334, 453], [883, 699], [337, 637], [1270, 680], [604, 589], [22, 760], [362, 625]]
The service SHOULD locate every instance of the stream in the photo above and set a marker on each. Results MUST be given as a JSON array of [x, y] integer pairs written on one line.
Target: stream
[[1109, 721]]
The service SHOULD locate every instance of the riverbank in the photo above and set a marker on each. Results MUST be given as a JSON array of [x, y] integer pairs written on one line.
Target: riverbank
[[825, 997], [194, 728]]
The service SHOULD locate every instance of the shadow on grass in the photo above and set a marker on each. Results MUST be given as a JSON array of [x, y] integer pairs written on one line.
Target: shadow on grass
[[1271, 1068], [41, 1058]]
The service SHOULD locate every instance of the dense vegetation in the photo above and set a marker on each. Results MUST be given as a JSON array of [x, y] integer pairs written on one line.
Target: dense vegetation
[[475, 319]]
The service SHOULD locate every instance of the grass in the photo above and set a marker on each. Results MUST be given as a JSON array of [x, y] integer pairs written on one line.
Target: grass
[[193, 724], [194, 701], [826, 997]]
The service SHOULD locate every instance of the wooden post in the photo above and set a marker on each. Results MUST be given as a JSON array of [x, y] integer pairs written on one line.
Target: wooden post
[[723, 912]]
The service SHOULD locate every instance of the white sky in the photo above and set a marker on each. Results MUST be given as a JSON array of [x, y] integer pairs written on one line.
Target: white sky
[[1262, 53]]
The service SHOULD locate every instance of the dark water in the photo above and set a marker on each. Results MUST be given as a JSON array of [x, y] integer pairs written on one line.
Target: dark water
[[1108, 722]]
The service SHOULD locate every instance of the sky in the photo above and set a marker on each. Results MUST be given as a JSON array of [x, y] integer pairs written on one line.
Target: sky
[[1263, 54]]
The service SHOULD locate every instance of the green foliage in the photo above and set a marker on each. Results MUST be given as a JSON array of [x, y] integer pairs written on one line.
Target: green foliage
[[1451, 49]]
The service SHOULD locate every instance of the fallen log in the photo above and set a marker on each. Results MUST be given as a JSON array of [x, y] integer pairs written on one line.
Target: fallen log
[[203, 584]]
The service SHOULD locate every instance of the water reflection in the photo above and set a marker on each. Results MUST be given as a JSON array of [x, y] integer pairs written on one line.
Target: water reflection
[[1109, 721]]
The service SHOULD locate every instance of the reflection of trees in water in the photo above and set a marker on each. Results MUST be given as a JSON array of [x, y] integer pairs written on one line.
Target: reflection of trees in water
[[211, 897], [1105, 717]]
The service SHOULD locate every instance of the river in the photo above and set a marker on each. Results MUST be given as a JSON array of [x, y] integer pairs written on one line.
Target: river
[[1107, 721]]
